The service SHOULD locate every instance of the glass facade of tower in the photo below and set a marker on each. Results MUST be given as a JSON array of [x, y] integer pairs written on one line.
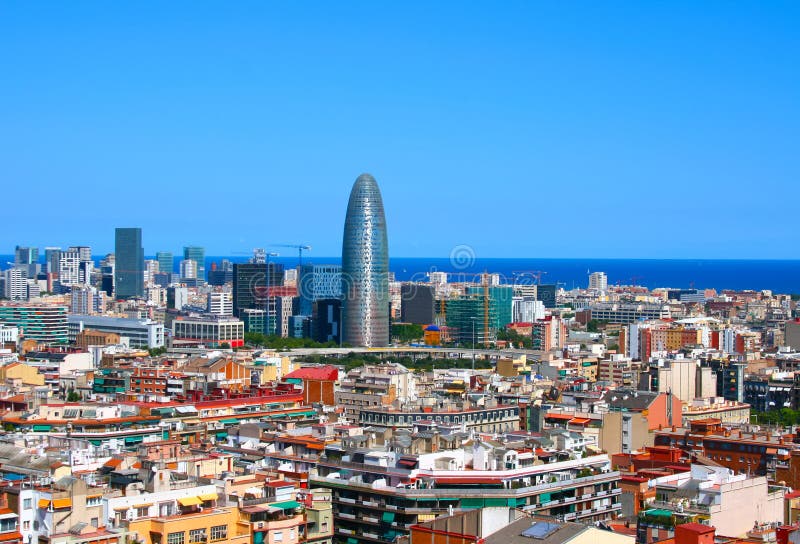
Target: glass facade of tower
[[166, 263], [129, 263], [198, 255], [365, 267]]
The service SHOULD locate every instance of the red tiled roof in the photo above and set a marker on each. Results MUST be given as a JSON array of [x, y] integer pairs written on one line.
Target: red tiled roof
[[327, 372], [697, 528]]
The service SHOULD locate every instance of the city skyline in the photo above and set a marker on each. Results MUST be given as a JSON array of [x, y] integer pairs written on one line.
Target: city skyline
[[556, 119]]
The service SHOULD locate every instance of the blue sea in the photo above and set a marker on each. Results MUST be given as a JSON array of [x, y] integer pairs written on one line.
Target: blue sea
[[780, 276]]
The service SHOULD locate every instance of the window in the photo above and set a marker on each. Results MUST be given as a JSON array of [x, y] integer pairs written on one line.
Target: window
[[176, 538], [35, 525], [26, 525], [142, 512], [95, 522], [27, 504], [93, 501], [197, 535], [219, 532], [278, 536]]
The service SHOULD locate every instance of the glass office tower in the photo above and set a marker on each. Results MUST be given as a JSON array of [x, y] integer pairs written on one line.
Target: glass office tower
[[365, 267], [129, 263]]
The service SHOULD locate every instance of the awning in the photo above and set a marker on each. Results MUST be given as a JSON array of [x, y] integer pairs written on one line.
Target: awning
[[133, 439], [222, 435], [186, 409], [41, 428], [62, 503], [408, 463], [8, 515], [388, 517], [286, 505], [209, 497], [229, 421], [145, 505], [191, 421], [190, 501], [44, 503]]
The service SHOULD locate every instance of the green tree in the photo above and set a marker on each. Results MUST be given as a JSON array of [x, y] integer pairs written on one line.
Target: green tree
[[407, 332], [73, 396]]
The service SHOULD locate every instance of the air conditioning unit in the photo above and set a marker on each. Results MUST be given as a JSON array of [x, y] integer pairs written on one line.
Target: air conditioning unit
[[260, 525]]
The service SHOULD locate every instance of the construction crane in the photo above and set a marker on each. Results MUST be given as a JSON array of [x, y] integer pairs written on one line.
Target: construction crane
[[299, 247], [535, 274]]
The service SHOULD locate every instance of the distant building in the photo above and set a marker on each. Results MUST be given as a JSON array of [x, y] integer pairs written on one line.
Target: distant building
[[141, 333], [317, 282], [209, 332], [365, 267], [15, 285], [37, 321], [129, 263], [547, 294], [318, 383], [166, 263], [418, 304], [188, 269], [220, 303], [198, 255], [250, 282], [326, 323], [598, 281]]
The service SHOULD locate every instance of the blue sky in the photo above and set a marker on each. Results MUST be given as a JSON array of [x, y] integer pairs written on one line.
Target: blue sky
[[523, 129]]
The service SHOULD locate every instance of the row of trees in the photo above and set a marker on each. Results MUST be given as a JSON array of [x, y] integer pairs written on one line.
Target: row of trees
[[785, 417], [273, 341]]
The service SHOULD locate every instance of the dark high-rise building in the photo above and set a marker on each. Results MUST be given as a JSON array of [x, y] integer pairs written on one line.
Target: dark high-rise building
[[325, 326], [365, 267], [547, 294], [26, 255], [250, 282], [417, 303], [166, 263], [317, 282], [129, 263]]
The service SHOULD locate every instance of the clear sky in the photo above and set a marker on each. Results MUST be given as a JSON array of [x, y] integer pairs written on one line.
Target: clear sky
[[523, 129]]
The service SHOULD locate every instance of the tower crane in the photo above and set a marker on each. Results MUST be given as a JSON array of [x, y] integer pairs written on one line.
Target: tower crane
[[299, 247]]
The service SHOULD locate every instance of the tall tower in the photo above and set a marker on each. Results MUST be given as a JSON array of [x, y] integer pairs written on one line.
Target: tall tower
[[365, 267], [129, 263]]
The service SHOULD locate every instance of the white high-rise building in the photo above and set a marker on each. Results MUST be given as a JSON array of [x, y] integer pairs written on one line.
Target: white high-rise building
[[598, 281], [69, 262], [151, 268], [220, 303], [527, 309], [438, 278], [188, 269], [16, 283]]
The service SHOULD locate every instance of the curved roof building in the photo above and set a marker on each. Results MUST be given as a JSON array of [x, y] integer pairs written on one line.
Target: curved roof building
[[365, 267]]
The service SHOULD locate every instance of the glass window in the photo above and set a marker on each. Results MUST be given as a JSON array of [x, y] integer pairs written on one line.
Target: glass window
[[27, 504], [219, 532], [278, 536], [197, 535], [176, 538]]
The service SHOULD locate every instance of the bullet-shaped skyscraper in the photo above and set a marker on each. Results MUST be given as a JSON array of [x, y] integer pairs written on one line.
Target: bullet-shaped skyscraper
[[365, 267]]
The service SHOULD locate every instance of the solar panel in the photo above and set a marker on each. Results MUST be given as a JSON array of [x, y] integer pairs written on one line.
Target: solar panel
[[541, 529]]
